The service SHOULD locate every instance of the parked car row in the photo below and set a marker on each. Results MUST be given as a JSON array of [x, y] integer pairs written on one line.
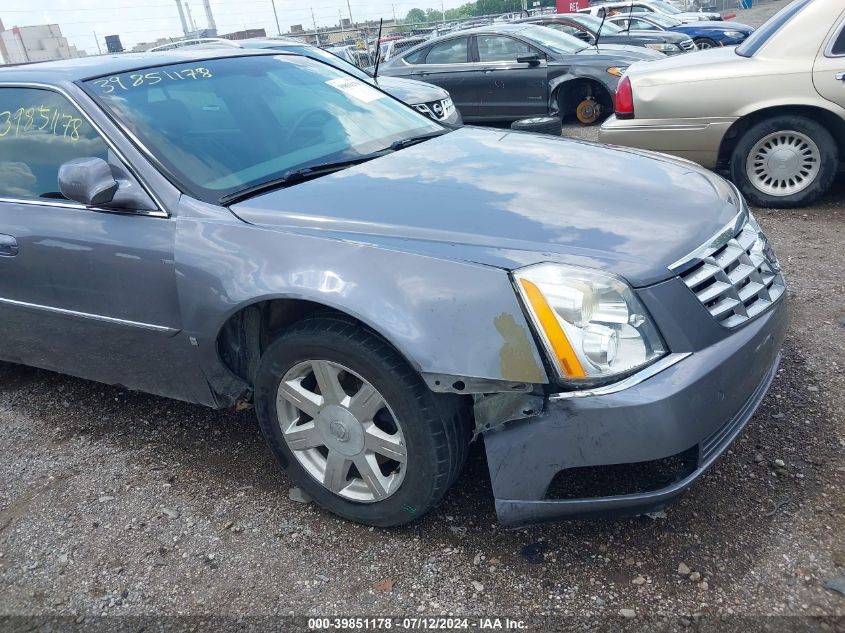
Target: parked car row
[[505, 72]]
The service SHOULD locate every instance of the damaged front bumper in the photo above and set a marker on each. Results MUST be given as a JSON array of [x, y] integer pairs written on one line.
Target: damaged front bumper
[[687, 413]]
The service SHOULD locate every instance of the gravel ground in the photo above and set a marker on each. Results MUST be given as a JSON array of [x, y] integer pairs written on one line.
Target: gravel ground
[[118, 503]]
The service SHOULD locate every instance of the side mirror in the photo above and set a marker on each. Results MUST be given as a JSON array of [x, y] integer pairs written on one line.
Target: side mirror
[[88, 181], [532, 60]]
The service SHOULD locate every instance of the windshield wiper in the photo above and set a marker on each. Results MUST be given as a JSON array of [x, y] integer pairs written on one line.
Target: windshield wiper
[[413, 140], [295, 176]]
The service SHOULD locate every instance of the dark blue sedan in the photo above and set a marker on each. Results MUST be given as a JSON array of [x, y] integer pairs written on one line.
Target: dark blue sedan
[[704, 34]]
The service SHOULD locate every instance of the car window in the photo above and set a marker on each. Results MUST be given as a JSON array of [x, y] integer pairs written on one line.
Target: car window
[[449, 52], [662, 7], [552, 40], [838, 47], [416, 57], [759, 37], [40, 130], [593, 24], [563, 28], [223, 125], [497, 48], [642, 24]]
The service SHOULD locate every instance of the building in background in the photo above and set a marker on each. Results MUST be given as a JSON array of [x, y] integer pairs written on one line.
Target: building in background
[[21, 44], [245, 35]]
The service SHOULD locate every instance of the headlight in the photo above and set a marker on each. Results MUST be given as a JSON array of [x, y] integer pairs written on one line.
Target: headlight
[[662, 46], [733, 34], [592, 325], [617, 71]]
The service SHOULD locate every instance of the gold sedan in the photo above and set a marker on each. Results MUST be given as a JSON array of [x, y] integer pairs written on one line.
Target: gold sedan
[[771, 111]]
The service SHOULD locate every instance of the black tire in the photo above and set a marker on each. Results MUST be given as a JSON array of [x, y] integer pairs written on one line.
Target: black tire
[[540, 125], [829, 164], [435, 426], [703, 43]]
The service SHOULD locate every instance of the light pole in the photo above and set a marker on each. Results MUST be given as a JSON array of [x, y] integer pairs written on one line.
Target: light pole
[[276, 15]]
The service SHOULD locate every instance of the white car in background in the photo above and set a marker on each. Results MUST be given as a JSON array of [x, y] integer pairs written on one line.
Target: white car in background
[[652, 6]]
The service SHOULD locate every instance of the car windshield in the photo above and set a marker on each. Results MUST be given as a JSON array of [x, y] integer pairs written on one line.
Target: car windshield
[[663, 20], [593, 23], [552, 40], [220, 126], [313, 52], [769, 28], [665, 8]]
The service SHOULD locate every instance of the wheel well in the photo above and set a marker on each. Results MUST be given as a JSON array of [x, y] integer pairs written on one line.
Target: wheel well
[[574, 90], [834, 124], [248, 332]]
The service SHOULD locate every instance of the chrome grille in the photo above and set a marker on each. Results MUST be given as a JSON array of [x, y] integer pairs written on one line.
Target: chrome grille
[[437, 110], [735, 278], [688, 45]]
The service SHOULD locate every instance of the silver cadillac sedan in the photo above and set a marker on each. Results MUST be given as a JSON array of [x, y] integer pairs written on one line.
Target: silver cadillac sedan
[[222, 227]]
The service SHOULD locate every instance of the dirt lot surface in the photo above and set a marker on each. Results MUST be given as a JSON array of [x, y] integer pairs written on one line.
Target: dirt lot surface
[[117, 503]]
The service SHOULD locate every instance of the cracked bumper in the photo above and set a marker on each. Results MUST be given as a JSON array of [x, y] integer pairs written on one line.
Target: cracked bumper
[[701, 403]]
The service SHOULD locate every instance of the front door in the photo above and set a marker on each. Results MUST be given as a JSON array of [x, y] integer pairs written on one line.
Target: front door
[[511, 89], [84, 291], [829, 68], [447, 64]]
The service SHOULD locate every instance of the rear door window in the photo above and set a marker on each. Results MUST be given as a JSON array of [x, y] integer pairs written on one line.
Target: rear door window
[[449, 52]]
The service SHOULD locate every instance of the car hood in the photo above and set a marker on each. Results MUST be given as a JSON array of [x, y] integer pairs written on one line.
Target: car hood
[[411, 91], [697, 15], [620, 53], [652, 36], [509, 199], [722, 26]]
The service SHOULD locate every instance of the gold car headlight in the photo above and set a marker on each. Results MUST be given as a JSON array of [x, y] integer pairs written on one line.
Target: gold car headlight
[[593, 327]]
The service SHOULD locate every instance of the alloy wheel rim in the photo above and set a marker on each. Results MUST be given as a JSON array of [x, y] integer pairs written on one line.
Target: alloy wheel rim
[[703, 46], [341, 431], [783, 163]]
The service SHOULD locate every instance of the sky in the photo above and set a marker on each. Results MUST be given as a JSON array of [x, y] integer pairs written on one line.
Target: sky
[[146, 20]]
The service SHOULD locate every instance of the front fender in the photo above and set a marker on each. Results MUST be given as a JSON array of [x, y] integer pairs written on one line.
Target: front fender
[[444, 316]]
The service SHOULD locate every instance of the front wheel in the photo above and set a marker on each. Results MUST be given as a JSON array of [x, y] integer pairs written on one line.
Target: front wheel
[[785, 161], [354, 426], [703, 43]]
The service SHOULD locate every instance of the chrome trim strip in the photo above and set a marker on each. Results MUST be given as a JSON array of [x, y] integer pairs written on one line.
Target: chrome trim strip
[[159, 213], [722, 237], [96, 317], [631, 381]]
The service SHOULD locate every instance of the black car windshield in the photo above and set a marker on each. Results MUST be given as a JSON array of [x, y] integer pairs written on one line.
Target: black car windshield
[[775, 23], [552, 40], [593, 23], [224, 125]]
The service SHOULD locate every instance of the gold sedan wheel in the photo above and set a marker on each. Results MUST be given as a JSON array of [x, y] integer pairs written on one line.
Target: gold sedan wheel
[[588, 111]]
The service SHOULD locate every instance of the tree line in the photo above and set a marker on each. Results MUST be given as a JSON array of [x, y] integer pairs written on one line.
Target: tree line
[[471, 10]]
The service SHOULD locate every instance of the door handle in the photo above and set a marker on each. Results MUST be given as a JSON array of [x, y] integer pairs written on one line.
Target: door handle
[[839, 76], [8, 246]]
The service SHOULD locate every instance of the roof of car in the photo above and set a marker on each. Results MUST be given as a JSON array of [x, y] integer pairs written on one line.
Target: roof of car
[[87, 67]]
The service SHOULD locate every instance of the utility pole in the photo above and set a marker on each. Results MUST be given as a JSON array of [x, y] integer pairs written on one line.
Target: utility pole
[[393, 6], [349, 8], [96, 39], [276, 15], [443, 9], [314, 21]]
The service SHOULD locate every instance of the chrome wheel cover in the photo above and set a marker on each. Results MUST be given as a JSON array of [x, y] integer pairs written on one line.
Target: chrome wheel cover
[[341, 431], [783, 163]]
